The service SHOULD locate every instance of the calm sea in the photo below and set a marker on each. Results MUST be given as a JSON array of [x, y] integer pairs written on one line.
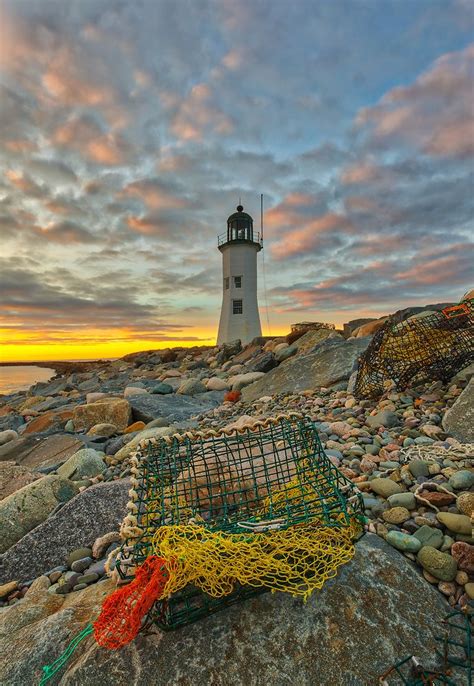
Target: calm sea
[[20, 378]]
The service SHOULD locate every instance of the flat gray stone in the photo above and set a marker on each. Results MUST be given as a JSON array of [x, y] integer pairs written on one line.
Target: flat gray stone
[[145, 408], [38, 451], [378, 610], [90, 514], [327, 364]]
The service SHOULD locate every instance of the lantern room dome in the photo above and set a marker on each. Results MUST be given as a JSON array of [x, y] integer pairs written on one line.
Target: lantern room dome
[[240, 230]]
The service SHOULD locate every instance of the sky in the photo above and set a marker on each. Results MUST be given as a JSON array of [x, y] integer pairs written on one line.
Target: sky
[[129, 130]]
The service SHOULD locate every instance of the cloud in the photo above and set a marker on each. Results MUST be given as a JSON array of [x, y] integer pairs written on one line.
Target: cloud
[[434, 113], [197, 115], [51, 171], [86, 136], [65, 232]]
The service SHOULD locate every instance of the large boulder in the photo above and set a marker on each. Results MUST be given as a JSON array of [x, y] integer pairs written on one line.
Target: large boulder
[[176, 408], [39, 452], [21, 511], [377, 610], [459, 419], [13, 477], [105, 411], [329, 363], [90, 514]]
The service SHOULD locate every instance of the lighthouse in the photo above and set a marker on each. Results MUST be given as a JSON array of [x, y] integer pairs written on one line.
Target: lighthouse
[[239, 248]]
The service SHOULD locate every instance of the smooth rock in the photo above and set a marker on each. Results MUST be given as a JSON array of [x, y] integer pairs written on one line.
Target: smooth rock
[[85, 463], [216, 384], [103, 430], [162, 389], [22, 511], [7, 436], [91, 514], [396, 515], [460, 524], [462, 480], [191, 387], [269, 639], [6, 589], [104, 411], [176, 408], [131, 391], [13, 477], [403, 542], [419, 468], [38, 451], [239, 381], [79, 554], [386, 487], [440, 565], [146, 434], [384, 418], [327, 364], [429, 536], [402, 500]]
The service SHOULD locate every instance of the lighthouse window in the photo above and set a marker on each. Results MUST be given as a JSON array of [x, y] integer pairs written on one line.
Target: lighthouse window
[[226, 283], [238, 281], [237, 307]]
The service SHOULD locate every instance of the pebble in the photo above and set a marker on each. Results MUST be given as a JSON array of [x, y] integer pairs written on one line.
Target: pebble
[[429, 536], [396, 515], [78, 554], [419, 468], [386, 487], [460, 524], [402, 500], [462, 480], [403, 542], [465, 503], [440, 565], [81, 565]]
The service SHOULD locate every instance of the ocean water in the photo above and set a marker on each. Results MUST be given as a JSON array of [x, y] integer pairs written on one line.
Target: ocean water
[[20, 378]]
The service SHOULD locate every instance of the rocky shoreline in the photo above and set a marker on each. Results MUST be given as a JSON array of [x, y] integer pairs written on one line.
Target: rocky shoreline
[[65, 447]]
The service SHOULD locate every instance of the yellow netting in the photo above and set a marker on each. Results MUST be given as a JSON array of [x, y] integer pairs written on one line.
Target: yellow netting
[[296, 560]]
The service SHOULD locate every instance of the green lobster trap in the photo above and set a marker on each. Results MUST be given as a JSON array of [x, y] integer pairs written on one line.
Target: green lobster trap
[[225, 515]]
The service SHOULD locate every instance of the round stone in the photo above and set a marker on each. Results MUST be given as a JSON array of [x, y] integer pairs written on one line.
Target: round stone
[[463, 480], [460, 524], [78, 554], [419, 468], [463, 553], [386, 487], [402, 500], [82, 564], [429, 536], [404, 542], [465, 503], [440, 565], [396, 515]]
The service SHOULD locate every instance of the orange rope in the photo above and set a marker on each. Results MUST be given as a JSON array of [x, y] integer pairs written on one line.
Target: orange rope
[[123, 611]]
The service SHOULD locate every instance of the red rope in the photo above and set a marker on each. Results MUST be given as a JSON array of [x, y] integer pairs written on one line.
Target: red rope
[[123, 611]]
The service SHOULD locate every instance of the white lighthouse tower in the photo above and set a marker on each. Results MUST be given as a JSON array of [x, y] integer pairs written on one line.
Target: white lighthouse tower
[[239, 248]]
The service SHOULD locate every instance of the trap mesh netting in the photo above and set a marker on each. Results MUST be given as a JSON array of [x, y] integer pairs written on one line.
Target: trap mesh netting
[[430, 345], [216, 517]]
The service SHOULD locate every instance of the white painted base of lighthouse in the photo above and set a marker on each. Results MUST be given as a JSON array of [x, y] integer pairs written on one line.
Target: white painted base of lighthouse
[[239, 313]]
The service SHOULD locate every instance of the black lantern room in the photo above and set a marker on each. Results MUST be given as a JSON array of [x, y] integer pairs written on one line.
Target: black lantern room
[[240, 229]]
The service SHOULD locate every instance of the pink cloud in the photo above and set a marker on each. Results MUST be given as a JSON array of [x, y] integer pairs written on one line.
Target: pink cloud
[[306, 239], [197, 114], [434, 113], [154, 195]]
